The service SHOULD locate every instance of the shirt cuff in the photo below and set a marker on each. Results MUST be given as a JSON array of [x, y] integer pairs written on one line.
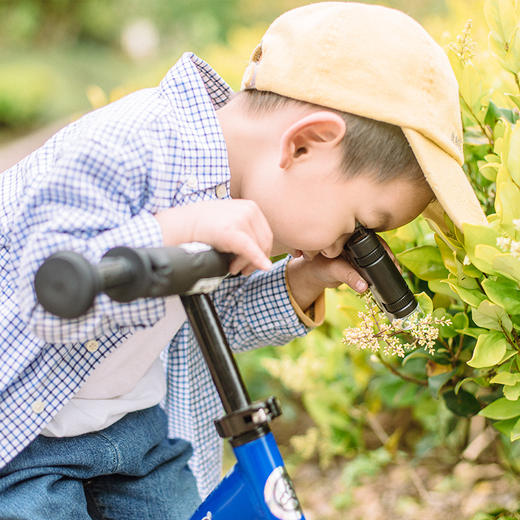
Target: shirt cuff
[[314, 315]]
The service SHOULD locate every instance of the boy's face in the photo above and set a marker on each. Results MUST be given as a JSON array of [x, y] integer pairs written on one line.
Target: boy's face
[[292, 162], [312, 213]]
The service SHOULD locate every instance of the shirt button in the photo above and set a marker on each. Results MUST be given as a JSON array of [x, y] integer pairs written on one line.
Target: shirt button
[[38, 406], [92, 345], [221, 191], [191, 182]]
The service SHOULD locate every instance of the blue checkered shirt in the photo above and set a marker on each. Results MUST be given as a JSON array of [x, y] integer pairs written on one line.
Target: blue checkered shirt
[[97, 184]]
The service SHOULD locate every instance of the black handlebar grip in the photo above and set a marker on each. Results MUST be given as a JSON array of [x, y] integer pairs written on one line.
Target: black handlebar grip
[[369, 257], [66, 284]]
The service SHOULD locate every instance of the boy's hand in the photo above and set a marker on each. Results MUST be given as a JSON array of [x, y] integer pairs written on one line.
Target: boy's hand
[[230, 226], [308, 278]]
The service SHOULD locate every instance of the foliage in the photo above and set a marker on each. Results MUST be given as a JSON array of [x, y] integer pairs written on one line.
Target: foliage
[[472, 277], [24, 93]]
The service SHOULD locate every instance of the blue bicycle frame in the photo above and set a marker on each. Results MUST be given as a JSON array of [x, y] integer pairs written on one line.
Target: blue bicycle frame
[[258, 486]]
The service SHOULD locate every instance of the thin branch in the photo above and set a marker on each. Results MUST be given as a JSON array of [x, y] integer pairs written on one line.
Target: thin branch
[[485, 131], [459, 350], [508, 339], [406, 377]]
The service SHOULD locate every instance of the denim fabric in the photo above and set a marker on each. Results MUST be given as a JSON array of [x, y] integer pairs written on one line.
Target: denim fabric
[[128, 471]]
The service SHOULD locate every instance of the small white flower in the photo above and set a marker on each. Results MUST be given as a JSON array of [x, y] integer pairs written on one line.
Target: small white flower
[[503, 243], [466, 260], [515, 248]]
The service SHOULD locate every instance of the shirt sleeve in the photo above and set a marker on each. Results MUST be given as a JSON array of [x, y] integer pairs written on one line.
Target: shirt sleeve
[[257, 310], [86, 204]]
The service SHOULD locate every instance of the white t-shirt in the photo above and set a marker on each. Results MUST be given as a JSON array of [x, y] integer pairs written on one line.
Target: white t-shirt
[[130, 378]]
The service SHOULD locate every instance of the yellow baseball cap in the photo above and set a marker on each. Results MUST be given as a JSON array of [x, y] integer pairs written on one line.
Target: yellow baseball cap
[[379, 63]]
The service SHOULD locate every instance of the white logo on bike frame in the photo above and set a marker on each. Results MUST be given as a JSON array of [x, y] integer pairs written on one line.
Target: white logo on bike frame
[[280, 497]]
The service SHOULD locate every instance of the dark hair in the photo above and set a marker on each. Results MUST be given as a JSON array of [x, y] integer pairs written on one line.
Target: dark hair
[[374, 148]]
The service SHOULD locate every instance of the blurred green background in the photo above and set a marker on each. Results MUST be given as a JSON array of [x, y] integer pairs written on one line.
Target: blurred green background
[[51, 51]]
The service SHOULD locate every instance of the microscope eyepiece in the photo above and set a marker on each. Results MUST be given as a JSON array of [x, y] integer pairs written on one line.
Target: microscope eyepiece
[[366, 253]]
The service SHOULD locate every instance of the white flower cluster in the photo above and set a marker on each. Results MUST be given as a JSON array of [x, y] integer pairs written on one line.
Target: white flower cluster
[[377, 334], [465, 46], [508, 245]]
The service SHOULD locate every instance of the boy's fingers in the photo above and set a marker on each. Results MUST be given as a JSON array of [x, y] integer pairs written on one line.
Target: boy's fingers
[[353, 279], [337, 271], [248, 252]]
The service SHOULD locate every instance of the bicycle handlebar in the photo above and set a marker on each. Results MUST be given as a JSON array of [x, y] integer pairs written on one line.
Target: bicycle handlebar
[[66, 283]]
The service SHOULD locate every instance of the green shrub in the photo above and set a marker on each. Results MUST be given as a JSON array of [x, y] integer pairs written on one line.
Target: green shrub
[[24, 93], [471, 277]]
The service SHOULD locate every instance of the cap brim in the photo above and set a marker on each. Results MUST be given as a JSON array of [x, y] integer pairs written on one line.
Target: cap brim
[[447, 180]]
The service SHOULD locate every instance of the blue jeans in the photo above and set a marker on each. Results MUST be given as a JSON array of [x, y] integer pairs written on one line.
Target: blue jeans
[[128, 471]]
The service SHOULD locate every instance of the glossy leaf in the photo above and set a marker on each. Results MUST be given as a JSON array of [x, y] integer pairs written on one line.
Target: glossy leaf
[[501, 409], [489, 350], [515, 432], [491, 316], [503, 292], [425, 262], [425, 302], [471, 297], [507, 265], [506, 378], [512, 392], [462, 403]]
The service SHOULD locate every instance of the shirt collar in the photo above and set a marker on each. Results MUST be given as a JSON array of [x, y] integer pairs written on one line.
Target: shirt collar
[[195, 91]]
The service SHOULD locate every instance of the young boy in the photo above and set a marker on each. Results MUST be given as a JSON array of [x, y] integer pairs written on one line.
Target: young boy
[[349, 113]]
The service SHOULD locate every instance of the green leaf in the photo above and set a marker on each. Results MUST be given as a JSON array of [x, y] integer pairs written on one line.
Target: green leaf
[[507, 265], [506, 378], [475, 240], [502, 408], [448, 255], [512, 392], [471, 270], [514, 98], [425, 262], [475, 234], [435, 383], [491, 316], [515, 432], [470, 296], [462, 403], [513, 157], [476, 380], [503, 292], [484, 256], [505, 426], [489, 170], [460, 320], [507, 200], [425, 302], [489, 350], [501, 19], [472, 332], [441, 287], [494, 113]]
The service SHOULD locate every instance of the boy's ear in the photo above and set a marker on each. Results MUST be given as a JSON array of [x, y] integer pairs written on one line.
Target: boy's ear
[[319, 129]]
